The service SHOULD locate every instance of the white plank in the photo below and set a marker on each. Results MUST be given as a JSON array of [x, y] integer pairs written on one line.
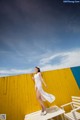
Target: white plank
[[75, 97], [70, 115], [52, 112]]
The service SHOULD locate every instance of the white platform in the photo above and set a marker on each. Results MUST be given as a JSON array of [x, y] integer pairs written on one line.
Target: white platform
[[52, 112]]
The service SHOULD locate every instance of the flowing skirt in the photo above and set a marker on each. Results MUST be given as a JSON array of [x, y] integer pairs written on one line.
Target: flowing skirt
[[44, 95]]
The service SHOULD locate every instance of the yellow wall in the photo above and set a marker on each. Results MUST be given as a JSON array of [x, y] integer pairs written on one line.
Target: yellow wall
[[17, 93]]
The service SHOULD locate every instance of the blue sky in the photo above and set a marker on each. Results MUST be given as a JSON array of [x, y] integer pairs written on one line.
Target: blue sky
[[38, 33]]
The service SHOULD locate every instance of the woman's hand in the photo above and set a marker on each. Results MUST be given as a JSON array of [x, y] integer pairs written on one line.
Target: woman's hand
[[33, 78], [45, 85]]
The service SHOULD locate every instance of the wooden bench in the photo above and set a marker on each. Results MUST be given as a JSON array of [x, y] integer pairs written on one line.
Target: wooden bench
[[74, 114], [52, 112]]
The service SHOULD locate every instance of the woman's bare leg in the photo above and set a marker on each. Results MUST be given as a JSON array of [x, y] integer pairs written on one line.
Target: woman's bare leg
[[42, 104], [40, 100]]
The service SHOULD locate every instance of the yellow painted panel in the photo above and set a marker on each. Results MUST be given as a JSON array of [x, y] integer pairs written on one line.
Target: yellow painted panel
[[18, 97]]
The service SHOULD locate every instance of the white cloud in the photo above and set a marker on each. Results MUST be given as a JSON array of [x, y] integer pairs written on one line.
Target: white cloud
[[46, 60], [14, 71], [67, 59], [72, 59]]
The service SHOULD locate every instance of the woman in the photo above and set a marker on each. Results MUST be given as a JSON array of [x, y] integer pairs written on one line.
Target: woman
[[40, 93]]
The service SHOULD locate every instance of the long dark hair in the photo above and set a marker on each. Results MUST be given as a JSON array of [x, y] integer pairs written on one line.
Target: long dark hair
[[38, 69]]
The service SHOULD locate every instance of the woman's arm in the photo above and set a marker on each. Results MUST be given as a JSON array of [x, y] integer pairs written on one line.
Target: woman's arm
[[42, 79], [32, 77]]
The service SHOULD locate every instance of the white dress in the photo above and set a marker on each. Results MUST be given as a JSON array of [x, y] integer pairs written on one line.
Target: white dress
[[44, 95]]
